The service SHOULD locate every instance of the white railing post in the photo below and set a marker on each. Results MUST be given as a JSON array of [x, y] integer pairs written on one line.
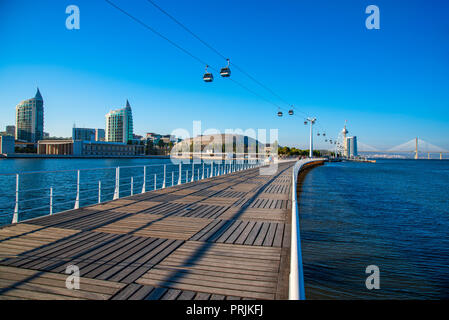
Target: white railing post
[[180, 174], [172, 178], [132, 185], [211, 169], [15, 216], [155, 186], [193, 171], [144, 185], [117, 184], [165, 171], [99, 191], [202, 177], [51, 200], [77, 199], [198, 175]]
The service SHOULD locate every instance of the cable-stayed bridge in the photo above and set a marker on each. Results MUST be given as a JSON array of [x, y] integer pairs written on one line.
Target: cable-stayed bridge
[[415, 146]]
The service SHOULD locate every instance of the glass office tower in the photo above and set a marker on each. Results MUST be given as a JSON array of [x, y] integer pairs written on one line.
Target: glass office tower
[[30, 119], [119, 125]]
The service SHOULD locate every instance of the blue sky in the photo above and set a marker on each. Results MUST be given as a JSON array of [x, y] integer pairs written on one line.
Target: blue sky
[[390, 84]]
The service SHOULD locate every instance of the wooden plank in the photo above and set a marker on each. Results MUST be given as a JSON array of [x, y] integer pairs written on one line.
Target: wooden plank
[[186, 295]]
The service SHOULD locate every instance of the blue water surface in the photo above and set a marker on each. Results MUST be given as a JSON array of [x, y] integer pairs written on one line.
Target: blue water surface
[[393, 214]]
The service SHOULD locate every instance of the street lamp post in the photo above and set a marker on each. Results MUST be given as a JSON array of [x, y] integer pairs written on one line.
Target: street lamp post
[[311, 122]]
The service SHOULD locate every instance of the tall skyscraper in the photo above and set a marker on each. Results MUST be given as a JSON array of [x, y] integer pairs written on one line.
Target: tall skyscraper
[[30, 119], [119, 125], [351, 143]]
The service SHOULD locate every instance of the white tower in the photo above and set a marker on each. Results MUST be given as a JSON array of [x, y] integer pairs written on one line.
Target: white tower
[[344, 132]]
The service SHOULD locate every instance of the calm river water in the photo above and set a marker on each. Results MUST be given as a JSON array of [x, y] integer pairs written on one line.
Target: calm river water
[[393, 214]]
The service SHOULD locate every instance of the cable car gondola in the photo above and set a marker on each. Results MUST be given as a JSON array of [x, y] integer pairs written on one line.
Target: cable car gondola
[[324, 134], [290, 112], [225, 72], [208, 77], [279, 113], [305, 122]]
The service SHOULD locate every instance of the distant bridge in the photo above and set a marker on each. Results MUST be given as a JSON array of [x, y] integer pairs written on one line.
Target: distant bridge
[[415, 146]]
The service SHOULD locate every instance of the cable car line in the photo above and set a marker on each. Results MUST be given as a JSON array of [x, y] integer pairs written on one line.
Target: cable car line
[[156, 32], [220, 54], [206, 77]]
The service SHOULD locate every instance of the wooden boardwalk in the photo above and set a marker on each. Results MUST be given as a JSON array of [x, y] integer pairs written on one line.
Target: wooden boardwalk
[[226, 237]]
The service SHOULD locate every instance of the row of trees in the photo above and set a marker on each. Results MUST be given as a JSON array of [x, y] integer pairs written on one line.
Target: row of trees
[[294, 152], [159, 148]]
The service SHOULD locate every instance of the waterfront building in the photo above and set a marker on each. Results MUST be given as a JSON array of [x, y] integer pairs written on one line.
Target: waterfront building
[[11, 130], [88, 148], [30, 119], [99, 135], [119, 125], [221, 146], [85, 134], [7, 144], [351, 147]]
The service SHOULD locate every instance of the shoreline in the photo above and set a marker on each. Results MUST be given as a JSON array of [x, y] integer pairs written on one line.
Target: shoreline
[[45, 156]]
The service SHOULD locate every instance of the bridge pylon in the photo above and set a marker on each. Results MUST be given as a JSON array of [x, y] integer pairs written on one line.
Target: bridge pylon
[[416, 148]]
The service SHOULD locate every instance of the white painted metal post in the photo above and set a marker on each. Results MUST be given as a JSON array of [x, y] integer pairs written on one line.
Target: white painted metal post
[[198, 175], [77, 200], [117, 184], [155, 182], [99, 191], [211, 169], [193, 171], [132, 185], [202, 177], [165, 170], [51, 200], [172, 178], [15, 217], [144, 179], [180, 174]]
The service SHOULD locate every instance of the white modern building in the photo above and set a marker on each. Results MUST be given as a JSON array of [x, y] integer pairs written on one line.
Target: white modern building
[[30, 119], [119, 125], [351, 147]]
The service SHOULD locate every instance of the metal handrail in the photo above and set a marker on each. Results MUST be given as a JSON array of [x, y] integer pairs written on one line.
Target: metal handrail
[[207, 170], [296, 279]]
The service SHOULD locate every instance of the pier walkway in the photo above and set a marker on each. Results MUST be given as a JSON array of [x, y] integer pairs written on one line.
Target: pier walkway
[[226, 237]]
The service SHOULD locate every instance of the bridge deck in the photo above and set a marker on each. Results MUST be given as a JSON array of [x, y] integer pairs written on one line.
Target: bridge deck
[[226, 237]]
